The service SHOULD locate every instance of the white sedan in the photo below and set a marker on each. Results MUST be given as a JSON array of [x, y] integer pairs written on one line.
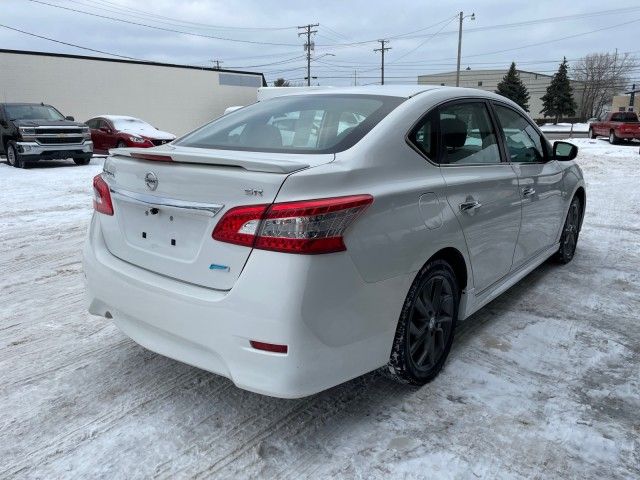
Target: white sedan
[[307, 239]]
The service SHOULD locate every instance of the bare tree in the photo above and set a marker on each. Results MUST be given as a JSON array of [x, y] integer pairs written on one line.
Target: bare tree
[[281, 82], [604, 75]]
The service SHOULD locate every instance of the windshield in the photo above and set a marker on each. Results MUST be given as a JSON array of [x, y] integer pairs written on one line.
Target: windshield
[[32, 112], [295, 124]]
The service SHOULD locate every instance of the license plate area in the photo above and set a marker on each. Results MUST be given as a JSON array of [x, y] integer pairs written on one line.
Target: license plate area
[[172, 233]]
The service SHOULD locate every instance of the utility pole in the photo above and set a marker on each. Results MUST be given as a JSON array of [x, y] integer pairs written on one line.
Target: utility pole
[[308, 46], [462, 17], [217, 62], [382, 49], [355, 78]]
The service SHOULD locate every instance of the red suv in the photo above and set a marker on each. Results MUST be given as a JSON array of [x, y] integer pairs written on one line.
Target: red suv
[[111, 131]]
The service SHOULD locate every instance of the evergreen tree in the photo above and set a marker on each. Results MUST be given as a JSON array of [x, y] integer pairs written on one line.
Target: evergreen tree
[[558, 100], [512, 87]]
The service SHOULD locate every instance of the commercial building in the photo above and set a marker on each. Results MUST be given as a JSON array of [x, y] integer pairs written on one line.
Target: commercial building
[[536, 84], [174, 98]]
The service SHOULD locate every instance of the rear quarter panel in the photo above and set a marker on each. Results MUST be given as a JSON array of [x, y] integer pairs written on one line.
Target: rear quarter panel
[[397, 234]]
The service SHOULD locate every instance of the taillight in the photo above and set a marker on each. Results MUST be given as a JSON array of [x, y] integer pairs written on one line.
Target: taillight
[[306, 227], [101, 196]]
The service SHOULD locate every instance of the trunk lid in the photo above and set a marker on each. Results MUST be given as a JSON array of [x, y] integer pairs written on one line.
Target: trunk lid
[[165, 211]]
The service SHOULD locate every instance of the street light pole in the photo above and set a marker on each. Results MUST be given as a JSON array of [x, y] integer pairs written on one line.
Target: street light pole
[[462, 17]]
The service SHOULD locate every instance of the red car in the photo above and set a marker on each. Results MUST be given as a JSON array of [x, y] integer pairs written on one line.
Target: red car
[[617, 126], [111, 131]]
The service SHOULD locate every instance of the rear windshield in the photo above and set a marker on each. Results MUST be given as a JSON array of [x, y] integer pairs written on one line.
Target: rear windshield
[[624, 117], [32, 112], [295, 124]]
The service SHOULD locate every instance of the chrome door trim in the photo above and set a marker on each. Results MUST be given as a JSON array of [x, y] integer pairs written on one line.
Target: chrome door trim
[[155, 201]]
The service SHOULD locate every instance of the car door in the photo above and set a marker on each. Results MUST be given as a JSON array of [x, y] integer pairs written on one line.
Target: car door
[[540, 183], [110, 134], [482, 189]]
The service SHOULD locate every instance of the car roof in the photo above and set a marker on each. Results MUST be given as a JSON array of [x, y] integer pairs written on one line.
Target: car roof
[[26, 103], [403, 91]]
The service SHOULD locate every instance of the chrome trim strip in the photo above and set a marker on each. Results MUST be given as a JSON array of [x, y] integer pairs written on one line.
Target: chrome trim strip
[[152, 200]]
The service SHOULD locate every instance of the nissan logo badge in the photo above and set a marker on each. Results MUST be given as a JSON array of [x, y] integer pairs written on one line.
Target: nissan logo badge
[[151, 181]]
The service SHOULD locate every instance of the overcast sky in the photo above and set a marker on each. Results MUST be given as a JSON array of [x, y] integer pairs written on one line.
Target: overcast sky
[[262, 35]]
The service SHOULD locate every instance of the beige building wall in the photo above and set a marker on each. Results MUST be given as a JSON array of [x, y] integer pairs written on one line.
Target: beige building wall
[[174, 99], [488, 80], [621, 103]]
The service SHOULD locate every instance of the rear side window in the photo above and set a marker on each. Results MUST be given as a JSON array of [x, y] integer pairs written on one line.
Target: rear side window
[[295, 124], [467, 135], [524, 143], [424, 135], [630, 117]]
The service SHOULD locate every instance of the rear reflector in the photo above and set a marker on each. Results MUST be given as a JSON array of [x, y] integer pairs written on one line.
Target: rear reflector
[[152, 156], [101, 196], [305, 227], [268, 347]]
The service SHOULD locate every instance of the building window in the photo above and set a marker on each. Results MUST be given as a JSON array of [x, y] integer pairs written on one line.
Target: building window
[[479, 84]]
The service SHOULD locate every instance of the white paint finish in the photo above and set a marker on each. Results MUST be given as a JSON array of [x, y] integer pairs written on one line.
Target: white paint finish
[[282, 298], [173, 99]]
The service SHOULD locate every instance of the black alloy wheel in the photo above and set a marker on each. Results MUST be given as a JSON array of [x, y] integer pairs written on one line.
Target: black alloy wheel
[[426, 326], [570, 232]]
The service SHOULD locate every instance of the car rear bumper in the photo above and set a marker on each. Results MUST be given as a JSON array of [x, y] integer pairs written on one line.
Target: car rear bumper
[[335, 325], [37, 151]]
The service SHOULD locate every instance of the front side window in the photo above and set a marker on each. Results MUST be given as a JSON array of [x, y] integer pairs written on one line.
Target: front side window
[[32, 112], [524, 143], [467, 135], [321, 123]]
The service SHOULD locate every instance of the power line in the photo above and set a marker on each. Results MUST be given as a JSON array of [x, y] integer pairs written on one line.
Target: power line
[[193, 34], [70, 44], [116, 8]]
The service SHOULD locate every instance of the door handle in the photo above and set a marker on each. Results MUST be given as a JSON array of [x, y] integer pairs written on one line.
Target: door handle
[[470, 206], [527, 192]]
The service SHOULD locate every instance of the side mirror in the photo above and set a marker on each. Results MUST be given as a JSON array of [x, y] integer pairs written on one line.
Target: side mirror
[[564, 151], [105, 129], [71, 119]]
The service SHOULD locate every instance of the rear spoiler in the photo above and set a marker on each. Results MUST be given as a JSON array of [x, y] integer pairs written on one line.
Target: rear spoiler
[[252, 161]]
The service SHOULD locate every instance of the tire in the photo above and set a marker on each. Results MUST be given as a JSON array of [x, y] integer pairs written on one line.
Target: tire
[[427, 322], [592, 134], [570, 233], [12, 154], [613, 139], [82, 161], [121, 144]]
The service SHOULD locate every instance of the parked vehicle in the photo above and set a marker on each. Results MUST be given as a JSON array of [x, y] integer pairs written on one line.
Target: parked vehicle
[[118, 131], [30, 132], [307, 239], [617, 126]]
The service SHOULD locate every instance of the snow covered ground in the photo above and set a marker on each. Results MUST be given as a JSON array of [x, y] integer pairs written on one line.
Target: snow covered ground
[[565, 127], [543, 382]]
